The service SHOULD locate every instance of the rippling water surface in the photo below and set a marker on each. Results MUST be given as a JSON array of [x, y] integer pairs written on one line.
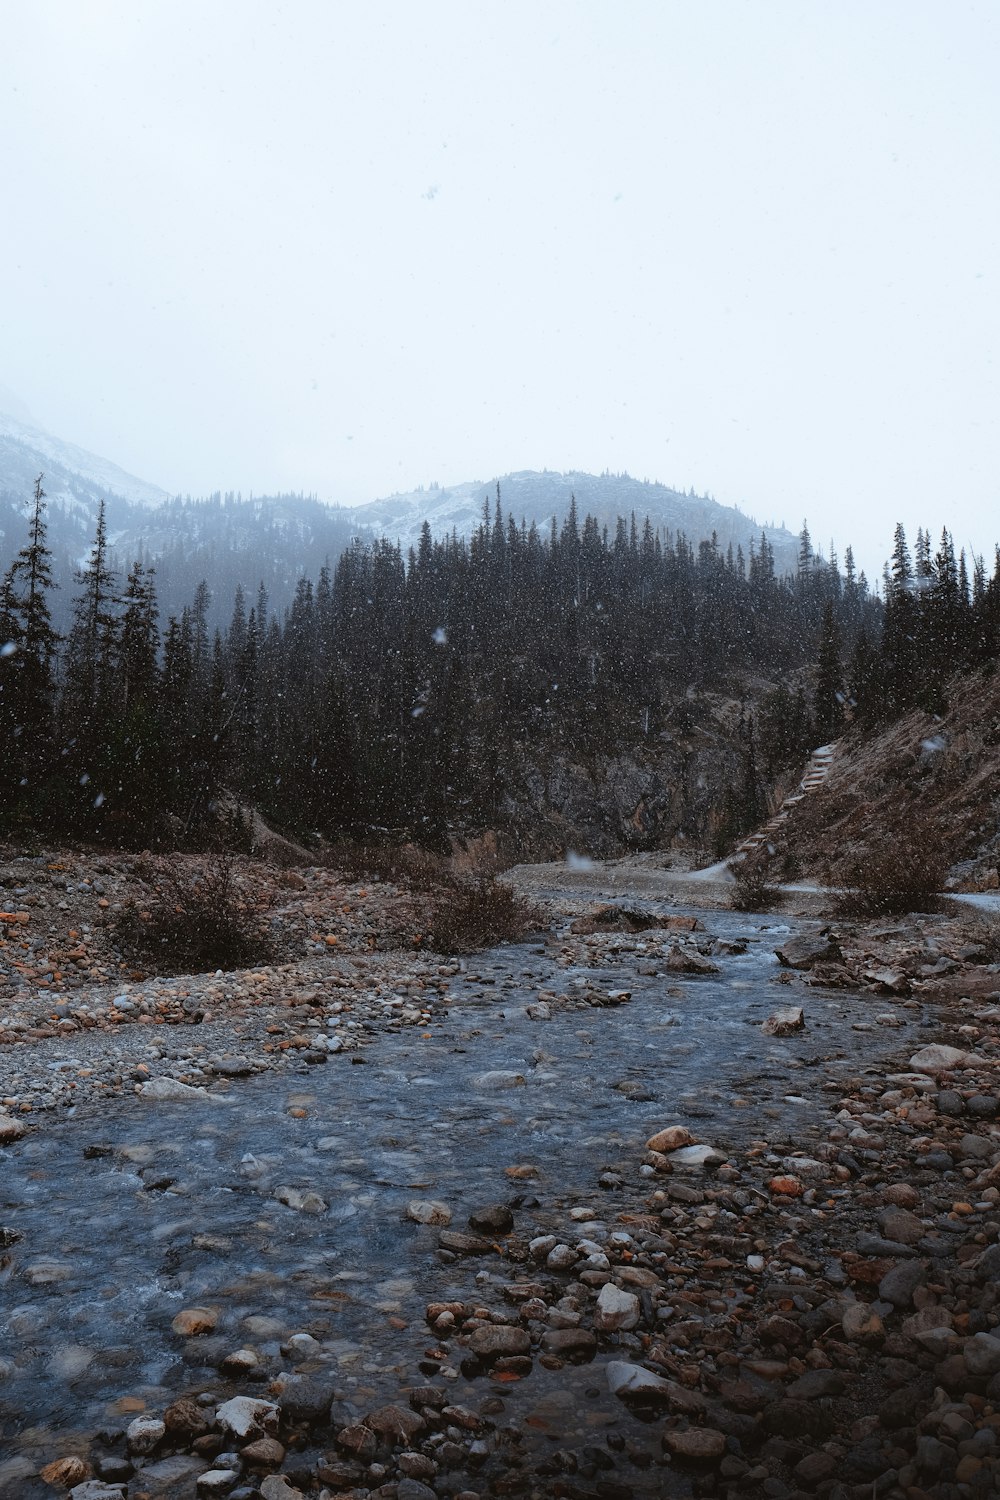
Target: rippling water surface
[[127, 1214]]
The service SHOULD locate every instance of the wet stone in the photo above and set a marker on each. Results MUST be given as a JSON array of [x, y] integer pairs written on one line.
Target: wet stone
[[496, 1340], [494, 1218], [695, 1444]]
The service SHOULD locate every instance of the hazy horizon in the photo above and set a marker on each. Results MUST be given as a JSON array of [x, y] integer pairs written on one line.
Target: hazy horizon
[[746, 250]]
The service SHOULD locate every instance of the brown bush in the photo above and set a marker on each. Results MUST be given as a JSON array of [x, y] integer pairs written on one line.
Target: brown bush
[[752, 889], [899, 869], [468, 915], [398, 864], [190, 920]]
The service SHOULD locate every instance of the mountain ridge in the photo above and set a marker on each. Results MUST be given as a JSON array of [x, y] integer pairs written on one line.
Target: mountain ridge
[[73, 475], [277, 539], [539, 495]]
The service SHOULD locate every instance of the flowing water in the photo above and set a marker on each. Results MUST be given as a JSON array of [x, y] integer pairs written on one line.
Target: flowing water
[[125, 1216]]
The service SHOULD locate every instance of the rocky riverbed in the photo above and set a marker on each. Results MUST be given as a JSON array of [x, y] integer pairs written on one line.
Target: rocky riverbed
[[707, 1206]]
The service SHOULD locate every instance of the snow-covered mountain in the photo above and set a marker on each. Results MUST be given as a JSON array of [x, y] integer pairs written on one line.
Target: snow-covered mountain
[[73, 477], [224, 539], [539, 496], [275, 540]]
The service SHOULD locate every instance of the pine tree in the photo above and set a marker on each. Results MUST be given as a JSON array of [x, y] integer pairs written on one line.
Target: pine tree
[[28, 645], [92, 648], [828, 698]]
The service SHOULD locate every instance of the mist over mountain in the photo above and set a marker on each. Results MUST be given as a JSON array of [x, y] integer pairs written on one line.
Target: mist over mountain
[[538, 496], [227, 540], [73, 477], [230, 540]]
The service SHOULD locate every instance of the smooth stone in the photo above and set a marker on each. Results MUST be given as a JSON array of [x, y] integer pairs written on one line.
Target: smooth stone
[[784, 1022], [143, 1434], [982, 1354], [428, 1211], [937, 1058], [191, 1321], [692, 1157], [498, 1340], [696, 1444], [167, 1472], [170, 1088], [301, 1199], [616, 1309], [670, 1139], [631, 1382], [803, 952], [277, 1487], [247, 1417], [216, 1481], [898, 1284], [493, 1218]]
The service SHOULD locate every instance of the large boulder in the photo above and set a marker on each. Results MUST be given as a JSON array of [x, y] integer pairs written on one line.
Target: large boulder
[[809, 949]]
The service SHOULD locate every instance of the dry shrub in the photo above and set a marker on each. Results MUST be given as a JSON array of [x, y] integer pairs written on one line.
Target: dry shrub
[[752, 889], [398, 864], [191, 920], [900, 869], [468, 915]]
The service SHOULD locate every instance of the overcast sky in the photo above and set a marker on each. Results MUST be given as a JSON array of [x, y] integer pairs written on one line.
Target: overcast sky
[[353, 248]]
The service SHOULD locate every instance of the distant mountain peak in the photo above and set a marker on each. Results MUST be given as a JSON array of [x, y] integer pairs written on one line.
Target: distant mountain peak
[[539, 495], [72, 475]]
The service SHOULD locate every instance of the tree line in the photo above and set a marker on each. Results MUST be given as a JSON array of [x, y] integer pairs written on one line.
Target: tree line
[[418, 695]]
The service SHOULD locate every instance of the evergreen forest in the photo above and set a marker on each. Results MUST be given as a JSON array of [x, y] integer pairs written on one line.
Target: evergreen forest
[[404, 696]]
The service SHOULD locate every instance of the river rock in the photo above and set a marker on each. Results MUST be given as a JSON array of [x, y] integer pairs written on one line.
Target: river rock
[[499, 1078], [170, 1088], [216, 1481], [689, 1158], [304, 1398], [464, 1244], [167, 1473], [248, 1417], [982, 1354], [688, 961], [937, 1058], [805, 951], [395, 1424], [10, 1129], [498, 1340], [784, 1022], [64, 1473], [616, 1309], [569, 1343], [631, 1382], [185, 1419], [861, 1325], [144, 1433], [898, 1285], [670, 1139], [899, 1224], [493, 1218], [696, 1444], [277, 1487], [96, 1489], [428, 1211], [303, 1200], [192, 1321]]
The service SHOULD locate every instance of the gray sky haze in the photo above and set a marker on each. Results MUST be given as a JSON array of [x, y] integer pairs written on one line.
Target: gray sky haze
[[749, 247]]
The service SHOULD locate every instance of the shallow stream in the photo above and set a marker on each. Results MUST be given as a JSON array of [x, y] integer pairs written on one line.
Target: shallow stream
[[118, 1219]]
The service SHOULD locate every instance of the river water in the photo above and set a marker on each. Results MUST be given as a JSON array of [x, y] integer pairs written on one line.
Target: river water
[[124, 1217]]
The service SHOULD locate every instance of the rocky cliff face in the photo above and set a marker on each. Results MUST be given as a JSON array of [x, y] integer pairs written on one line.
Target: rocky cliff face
[[641, 799]]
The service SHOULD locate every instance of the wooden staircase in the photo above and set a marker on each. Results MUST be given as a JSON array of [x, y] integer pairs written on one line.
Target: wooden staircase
[[815, 774]]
